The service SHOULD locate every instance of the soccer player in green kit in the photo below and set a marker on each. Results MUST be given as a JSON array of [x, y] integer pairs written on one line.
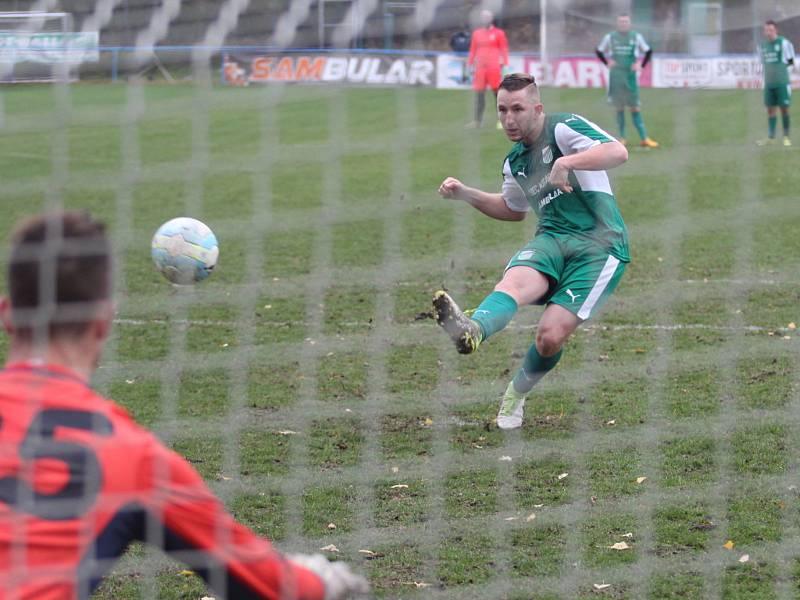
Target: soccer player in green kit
[[626, 53], [557, 167], [777, 55]]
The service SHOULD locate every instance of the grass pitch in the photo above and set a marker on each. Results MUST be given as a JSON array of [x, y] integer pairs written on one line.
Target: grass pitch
[[657, 461]]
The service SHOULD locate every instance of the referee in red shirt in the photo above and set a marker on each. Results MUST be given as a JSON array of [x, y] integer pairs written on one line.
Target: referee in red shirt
[[488, 54], [79, 479]]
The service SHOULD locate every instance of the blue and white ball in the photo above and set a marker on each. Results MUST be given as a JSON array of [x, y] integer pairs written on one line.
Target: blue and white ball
[[185, 250]]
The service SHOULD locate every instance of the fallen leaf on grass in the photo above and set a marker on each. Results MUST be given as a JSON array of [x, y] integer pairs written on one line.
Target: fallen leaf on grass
[[744, 558], [186, 573], [601, 586], [538, 505], [510, 519], [792, 326], [611, 422], [627, 535], [641, 479], [562, 476], [618, 546], [287, 432], [329, 548], [530, 517], [419, 584], [729, 545], [400, 486], [331, 526], [368, 553], [505, 459]]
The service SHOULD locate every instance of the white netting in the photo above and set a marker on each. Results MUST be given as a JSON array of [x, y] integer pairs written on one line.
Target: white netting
[[303, 379]]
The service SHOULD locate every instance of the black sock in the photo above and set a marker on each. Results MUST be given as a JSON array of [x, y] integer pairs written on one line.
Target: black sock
[[480, 104]]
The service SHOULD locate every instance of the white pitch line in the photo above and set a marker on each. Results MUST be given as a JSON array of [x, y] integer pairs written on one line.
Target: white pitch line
[[738, 281], [598, 327]]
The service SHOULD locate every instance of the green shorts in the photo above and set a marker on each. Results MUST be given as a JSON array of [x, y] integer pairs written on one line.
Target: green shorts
[[623, 89], [780, 95], [582, 274]]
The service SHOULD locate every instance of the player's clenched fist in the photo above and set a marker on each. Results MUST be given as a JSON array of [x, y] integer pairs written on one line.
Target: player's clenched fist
[[452, 188], [339, 581], [559, 176]]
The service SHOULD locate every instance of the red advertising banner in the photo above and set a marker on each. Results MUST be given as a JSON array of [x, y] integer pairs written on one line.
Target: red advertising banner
[[364, 69], [576, 72], [568, 71]]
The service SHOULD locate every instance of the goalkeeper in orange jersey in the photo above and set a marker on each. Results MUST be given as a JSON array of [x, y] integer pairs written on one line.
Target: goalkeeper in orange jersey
[[79, 479], [488, 55]]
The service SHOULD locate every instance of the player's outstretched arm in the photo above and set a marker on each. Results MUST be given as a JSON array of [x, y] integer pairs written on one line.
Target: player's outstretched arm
[[489, 204], [191, 524]]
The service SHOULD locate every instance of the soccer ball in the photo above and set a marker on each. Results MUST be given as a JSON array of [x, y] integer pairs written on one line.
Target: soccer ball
[[184, 250]]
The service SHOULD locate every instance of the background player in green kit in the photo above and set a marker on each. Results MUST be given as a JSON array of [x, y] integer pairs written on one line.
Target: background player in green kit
[[777, 55], [577, 257], [626, 53]]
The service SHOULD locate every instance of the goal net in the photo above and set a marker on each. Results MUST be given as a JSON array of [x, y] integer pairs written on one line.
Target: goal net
[[305, 380]]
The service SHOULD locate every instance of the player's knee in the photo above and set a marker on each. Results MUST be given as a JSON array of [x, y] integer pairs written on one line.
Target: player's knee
[[549, 340], [515, 289]]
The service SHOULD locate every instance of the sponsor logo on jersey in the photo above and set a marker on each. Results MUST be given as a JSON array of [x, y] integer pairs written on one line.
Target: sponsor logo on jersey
[[538, 187], [549, 198], [547, 155], [526, 254], [521, 173], [573, 296]]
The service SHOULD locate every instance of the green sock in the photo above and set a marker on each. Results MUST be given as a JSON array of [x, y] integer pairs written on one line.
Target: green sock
[[534, 367], [772, 122], [494, 313], [621, 123], [786, 124], [639, 124]]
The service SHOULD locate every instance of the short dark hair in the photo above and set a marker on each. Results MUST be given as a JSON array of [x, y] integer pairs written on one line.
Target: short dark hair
[[518, 81], [59, 271], [771, 22]]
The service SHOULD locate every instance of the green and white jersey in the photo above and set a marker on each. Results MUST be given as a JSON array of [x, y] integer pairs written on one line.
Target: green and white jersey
[[624, 48], [590, 210], [775, 57]]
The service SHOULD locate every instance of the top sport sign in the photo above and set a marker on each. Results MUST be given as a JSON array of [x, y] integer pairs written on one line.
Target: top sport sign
[[364, 69]]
